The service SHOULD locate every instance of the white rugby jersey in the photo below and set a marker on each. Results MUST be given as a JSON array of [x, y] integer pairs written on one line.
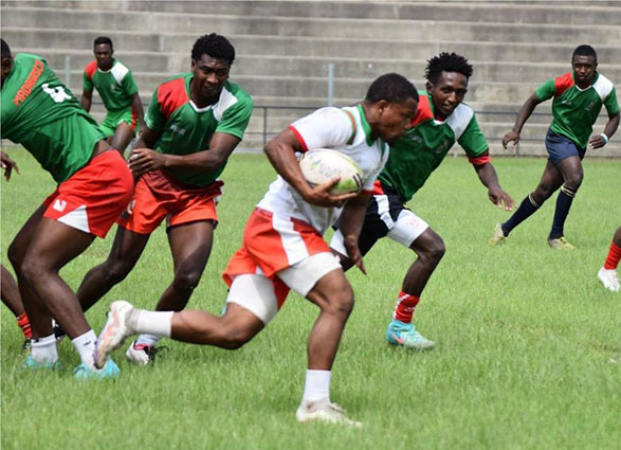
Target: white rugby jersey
[[342, 129]]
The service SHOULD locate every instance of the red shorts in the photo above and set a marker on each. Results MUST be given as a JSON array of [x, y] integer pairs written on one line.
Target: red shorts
[[94, 197], [158, 196], [273, 243]]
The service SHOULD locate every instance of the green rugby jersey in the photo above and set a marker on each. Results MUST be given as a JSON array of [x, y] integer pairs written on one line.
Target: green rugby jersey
[[414, 157], [576, 110], [185, 128], [115, 86], [40, 113]]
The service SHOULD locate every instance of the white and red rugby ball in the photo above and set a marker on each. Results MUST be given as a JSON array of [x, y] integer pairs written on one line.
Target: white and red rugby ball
[[321, 165]]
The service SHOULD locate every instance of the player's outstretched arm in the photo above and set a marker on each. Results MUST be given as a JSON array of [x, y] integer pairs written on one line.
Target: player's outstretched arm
[[489, 178], [8, 165], [280, 151], [350, 225], [611, 128], [524, 113]]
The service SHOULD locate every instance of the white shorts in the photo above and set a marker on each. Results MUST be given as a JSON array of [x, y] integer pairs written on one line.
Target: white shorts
[[385, 216], [260, 295]]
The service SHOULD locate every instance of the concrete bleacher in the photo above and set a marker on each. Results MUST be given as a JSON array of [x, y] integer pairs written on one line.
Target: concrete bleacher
[[285, 49]]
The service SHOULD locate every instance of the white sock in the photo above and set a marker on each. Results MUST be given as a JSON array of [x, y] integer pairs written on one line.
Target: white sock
[[147, 339], [158, 323], [317, 385], [43, 350], [85, 345]]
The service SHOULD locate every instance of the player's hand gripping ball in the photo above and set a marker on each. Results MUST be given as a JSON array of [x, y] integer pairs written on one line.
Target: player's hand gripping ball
[[321, 165]]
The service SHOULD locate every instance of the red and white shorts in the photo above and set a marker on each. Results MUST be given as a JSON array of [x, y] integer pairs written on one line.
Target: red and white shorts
[[278, 254], [158, 196], [92, 199]]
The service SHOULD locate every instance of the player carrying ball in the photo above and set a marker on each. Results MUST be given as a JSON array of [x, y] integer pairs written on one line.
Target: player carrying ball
[[283, 247]]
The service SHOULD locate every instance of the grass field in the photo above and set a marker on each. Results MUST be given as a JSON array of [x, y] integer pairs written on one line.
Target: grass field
[[524, 333]]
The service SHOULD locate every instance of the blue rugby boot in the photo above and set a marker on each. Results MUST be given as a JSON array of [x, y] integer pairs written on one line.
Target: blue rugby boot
[[30, 364], [110, 370], [405, 334]]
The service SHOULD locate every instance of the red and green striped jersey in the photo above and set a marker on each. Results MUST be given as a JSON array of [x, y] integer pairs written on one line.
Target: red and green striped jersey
[[576, 110], [414, 157], [115, 86], [40, 113], [185, 128]]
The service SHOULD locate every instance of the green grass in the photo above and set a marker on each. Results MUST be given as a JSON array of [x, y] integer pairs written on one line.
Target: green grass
[[524, 337]]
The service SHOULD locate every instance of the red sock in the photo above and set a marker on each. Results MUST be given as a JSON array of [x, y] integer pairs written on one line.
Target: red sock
[[614, 255], [405, 307], [24, 324]]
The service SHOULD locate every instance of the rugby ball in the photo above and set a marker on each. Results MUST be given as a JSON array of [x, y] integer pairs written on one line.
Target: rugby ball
[[321, 165]]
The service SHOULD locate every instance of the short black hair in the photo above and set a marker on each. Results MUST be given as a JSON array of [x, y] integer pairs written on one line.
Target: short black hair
[[214, 45], [393, 88], [6, 50], [584, 50], [447, 62], [103, 40]]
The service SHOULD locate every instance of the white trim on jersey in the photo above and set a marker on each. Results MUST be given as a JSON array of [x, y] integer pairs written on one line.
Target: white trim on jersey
[[459, 119], [119, 71], [603, 86], [227, 99]]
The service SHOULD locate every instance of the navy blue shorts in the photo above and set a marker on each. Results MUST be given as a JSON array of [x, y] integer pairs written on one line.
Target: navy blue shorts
[[560, 147]]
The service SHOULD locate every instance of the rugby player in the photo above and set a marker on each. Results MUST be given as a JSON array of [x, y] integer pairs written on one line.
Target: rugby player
[[441, 121], [118, 91], [194, 122], [578, 99], [94, 187], [283, 247]]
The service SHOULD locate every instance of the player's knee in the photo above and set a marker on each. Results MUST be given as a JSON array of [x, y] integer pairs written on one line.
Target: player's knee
[[574, 181], [15, 256], [341, 301], [433, 251], [32, 268], [186, 280], [115, 271], [437, 250]]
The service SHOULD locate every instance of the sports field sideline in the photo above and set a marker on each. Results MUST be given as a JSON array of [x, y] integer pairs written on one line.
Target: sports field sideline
[[525, 337]]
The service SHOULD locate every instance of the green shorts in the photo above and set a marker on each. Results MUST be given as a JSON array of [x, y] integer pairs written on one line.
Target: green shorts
[[114, 118]]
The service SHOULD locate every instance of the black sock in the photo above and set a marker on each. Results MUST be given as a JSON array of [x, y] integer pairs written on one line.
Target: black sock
[[563, 203], [526, 209]]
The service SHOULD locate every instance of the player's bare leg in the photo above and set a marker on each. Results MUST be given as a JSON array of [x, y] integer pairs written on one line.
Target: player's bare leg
[[40, 251], [430, 249], [608, 273], [125, 252], [571, 170], [230, 331], [191, 246], [123, 135], [37, 312], [11, 298], [335, 298]]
